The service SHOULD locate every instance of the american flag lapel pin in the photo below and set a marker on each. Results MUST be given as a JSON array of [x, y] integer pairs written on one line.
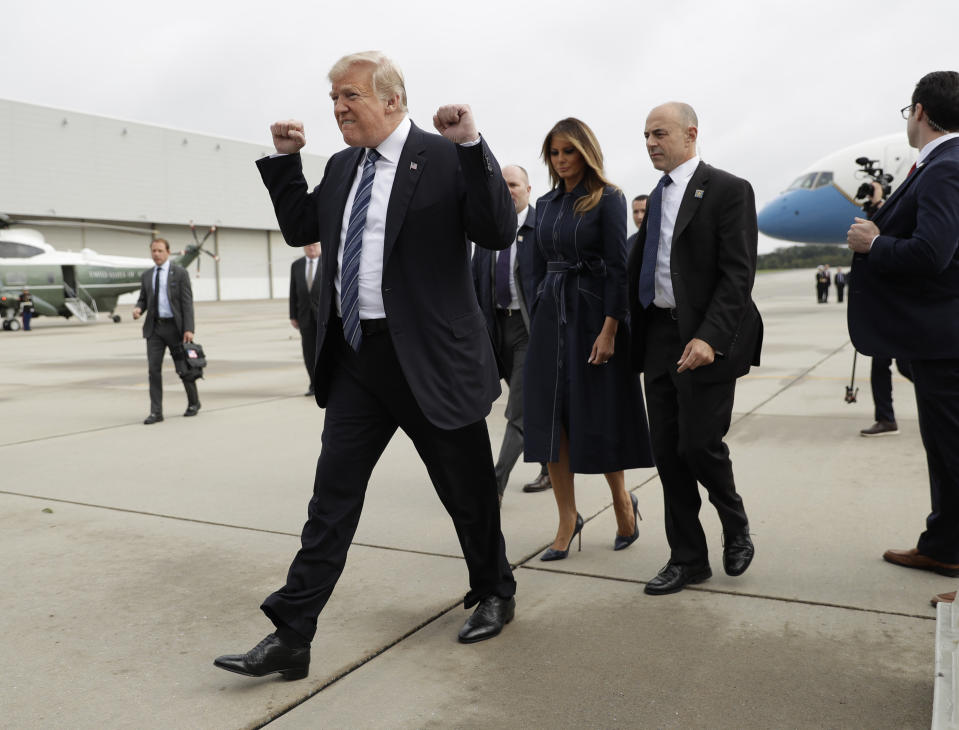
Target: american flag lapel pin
[[698, 193], [412, 166]]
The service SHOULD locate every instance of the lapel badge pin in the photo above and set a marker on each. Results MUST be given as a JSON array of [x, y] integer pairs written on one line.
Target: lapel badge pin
[[698, 194], [519, 238], [412, 166]]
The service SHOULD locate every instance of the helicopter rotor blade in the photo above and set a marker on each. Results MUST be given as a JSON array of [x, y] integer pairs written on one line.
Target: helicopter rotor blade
[[6, 221]]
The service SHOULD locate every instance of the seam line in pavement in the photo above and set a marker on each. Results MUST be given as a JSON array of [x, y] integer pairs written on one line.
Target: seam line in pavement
[[791, 383], [356, 665], [51, 437], [738, 594]]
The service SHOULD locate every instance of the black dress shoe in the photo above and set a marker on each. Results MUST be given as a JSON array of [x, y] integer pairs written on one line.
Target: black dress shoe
[[539, 484], [673, 578], [738, 552], [489, 618], [269, 657], [192, 410], [153, 418]]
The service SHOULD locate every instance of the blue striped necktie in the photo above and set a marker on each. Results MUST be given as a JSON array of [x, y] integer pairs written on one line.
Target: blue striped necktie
[[654, 222], [352, 246]]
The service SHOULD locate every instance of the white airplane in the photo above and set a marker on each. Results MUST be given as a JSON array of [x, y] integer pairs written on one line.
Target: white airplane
[[821, 203]]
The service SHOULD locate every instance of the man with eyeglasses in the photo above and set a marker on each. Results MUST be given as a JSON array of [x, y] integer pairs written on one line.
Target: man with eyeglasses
[[904, 302]]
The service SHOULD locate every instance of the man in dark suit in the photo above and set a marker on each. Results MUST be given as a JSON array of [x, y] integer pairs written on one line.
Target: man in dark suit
[[505, 287], [304, 298], [640, 202], [401, 340], [695, 329], [167, 299], [840, 281], [904, 302]]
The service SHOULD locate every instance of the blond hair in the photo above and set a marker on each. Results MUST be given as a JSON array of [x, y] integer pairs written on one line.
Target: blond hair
[[387, 77], [585, 142]]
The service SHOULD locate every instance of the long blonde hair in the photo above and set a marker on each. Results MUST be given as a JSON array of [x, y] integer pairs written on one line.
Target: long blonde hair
[[585, 142]]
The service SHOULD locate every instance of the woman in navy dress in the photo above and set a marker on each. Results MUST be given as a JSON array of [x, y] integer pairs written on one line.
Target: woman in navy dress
[[583, 407]]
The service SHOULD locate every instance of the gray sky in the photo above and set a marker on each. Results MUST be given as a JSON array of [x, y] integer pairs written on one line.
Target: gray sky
[[776, 85]]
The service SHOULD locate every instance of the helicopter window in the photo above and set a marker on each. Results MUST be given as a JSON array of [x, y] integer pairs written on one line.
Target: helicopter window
[[805, 182], [14, 250], [824, 179]]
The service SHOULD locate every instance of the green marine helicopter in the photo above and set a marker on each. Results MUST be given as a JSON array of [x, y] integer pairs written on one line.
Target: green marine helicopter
[[68, 284]]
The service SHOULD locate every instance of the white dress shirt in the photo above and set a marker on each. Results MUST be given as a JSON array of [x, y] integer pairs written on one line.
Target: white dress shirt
[[163, 302], [513, 299], [672, 197], [311, 267], [374, 234]]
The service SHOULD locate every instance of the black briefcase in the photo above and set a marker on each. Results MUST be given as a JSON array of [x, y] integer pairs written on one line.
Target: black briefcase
[[190, 360]]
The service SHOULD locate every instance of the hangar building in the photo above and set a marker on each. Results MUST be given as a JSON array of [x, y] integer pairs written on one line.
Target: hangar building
[[74, 167]]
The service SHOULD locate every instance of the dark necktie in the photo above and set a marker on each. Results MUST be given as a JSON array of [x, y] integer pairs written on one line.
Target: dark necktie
[[156, 293], [654, 218], [352, 246], [503, 297]]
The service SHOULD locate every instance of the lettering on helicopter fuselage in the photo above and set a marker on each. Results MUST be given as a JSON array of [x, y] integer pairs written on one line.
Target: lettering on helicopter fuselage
[[112, 274]]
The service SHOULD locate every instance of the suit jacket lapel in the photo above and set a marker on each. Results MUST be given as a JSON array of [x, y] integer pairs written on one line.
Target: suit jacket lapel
[[409, 170], [691, 201], [898, 192]]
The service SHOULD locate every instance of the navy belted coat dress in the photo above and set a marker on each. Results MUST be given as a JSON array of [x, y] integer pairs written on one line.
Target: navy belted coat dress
[[580, 264]]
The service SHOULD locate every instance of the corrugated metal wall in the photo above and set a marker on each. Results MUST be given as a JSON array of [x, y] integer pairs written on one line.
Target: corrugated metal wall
[[68, 165]]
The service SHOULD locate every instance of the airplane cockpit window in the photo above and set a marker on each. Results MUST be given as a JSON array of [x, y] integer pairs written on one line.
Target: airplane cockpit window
[[824, 179], [14, 250], [806, 182]]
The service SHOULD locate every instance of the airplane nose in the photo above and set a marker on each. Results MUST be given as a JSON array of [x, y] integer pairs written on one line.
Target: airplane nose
[[822, 215]]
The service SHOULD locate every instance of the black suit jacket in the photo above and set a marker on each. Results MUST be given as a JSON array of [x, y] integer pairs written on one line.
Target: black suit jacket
[[713, 265], [484, 269], [179, 292], [443, 195], [303, 301], [904, 293]]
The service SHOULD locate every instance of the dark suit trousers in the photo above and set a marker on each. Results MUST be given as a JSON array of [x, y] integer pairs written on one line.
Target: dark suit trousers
[[880, 381], [369, 398], [688, 420], [165, 336], [937, 398], [308, 341], [512, 343]]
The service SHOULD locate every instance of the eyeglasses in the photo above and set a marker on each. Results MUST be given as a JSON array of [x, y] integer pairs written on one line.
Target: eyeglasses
[[906, 111]]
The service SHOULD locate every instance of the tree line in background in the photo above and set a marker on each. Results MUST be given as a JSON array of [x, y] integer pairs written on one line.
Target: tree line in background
[[805, 257]]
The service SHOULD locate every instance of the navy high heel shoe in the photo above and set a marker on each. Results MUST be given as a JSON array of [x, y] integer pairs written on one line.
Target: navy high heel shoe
[[552, 554], [624, 542]]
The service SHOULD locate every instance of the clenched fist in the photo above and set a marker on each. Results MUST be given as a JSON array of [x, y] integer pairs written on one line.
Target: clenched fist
[[288, 136], [455, 122]]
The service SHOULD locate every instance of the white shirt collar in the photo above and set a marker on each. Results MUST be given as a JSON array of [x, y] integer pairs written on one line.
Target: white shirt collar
[[392, 146], [521, 217], [930, 146], [683, 172]]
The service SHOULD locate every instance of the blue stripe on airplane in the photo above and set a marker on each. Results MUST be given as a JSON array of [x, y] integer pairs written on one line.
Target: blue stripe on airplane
[[822, 215]]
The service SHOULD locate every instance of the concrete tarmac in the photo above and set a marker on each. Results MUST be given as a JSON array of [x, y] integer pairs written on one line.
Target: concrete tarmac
[[134, 555]]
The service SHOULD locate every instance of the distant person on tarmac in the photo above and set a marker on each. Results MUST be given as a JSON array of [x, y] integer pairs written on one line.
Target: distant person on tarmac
[[167, 300], [26, 308]]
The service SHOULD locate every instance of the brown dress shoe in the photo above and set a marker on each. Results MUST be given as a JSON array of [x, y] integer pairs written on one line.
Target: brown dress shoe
[[949, 597], [881, 428], [914, 559]]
